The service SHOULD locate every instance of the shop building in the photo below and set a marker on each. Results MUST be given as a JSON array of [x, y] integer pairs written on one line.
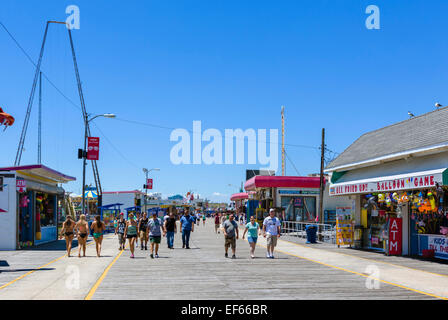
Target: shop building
[[297, 198], [30, 205], [398, 178], [131, 201]]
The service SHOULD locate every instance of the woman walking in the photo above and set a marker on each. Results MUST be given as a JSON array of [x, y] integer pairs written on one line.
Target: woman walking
[[67, 231], [98, 229], [131, 232], [254, 229], [82, 228]]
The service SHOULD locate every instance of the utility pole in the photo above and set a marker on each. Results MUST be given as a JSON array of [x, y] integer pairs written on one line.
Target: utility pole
[[321, 196], [283, 141], [39, 125]]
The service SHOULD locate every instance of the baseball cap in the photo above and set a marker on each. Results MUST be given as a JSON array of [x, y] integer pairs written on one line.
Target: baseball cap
[[272, 210]]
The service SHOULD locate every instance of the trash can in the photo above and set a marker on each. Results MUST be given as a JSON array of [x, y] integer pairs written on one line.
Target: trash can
[[311, 231], [357, 237]]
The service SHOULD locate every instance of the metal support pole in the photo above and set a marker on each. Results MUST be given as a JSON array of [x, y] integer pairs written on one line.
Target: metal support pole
[[84, 163], [39, 126], [321, 194]]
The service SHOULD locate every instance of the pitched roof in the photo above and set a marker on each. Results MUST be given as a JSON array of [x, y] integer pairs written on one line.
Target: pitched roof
[[423, 131]]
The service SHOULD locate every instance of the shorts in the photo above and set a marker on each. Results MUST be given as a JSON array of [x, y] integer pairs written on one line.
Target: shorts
[[144, 235], [130, 236], [230, 242], [155, 239], [252, 239], [272, 240], [121, 239], [216, 226]]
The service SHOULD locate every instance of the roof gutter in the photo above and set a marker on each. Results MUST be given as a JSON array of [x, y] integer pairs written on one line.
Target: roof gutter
[[391, 157]]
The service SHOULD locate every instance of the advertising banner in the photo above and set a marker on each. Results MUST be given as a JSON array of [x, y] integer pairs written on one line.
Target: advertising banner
[[344, 231], [149, 183], [93, 148]]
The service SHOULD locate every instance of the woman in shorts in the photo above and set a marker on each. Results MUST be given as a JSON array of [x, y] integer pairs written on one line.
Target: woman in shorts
[[130, 232], [253, 229]]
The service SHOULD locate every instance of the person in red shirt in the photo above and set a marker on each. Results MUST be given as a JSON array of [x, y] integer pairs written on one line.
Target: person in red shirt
[[217, 223]]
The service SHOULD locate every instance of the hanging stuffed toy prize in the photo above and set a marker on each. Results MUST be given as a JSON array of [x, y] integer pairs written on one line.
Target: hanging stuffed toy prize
[[381, 198], [432, 201]]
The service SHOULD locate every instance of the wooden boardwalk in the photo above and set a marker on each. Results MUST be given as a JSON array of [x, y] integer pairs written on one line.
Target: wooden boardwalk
[[301, 271], [204, 273]]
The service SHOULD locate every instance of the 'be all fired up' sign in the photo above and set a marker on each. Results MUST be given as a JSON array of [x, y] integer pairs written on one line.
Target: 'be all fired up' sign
[[93, 148], [386, 185]]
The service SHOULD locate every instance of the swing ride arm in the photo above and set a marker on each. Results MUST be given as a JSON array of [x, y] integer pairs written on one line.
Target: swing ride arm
[[31, 99]]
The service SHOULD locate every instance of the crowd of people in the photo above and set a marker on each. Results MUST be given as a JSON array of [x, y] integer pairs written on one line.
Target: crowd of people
[[145, 229]]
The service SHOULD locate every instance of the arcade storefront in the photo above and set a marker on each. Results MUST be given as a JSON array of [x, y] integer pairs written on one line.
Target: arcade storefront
[[30, 205], [404, 214], [295, 198]]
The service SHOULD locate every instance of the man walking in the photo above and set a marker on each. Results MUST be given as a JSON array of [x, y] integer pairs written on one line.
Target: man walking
[[230, 227], [170, 229], [155, 234], [121, 226], [187, 226], [142, 224], [271, 230]]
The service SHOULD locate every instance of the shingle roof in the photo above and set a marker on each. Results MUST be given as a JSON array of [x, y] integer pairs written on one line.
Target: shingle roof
[[422, 131]]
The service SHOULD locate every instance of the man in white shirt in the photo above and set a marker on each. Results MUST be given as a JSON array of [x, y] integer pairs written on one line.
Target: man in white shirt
[[271, 229]]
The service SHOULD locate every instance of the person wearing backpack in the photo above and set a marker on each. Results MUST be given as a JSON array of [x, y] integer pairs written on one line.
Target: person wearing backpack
[[271, 231]]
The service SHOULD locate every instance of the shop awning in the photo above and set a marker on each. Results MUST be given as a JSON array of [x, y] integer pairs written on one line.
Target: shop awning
[[282, 182], [40, 172], [239, 196], [408, 181]]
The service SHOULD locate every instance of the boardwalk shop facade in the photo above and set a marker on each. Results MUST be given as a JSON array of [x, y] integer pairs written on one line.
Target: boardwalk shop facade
[[30, 205], [398, 178]]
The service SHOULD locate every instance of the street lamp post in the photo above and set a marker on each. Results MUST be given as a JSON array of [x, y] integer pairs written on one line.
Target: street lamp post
[[146, 171], [84, 154]]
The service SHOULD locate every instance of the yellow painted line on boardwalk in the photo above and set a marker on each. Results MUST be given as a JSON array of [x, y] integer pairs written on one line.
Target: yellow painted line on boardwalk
[[360, 274], [97, 284], [30, 272], [41, 267], [368, 259]]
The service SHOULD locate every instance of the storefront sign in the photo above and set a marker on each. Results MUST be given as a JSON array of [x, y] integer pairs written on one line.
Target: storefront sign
[[21, 185], [395, 236], [93, 148], [439, 244], [296, 192], [417, 182], [344, 231], [149, 183]]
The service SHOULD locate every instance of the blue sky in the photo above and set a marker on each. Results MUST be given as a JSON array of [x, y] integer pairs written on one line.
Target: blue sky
[[230, 64]]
